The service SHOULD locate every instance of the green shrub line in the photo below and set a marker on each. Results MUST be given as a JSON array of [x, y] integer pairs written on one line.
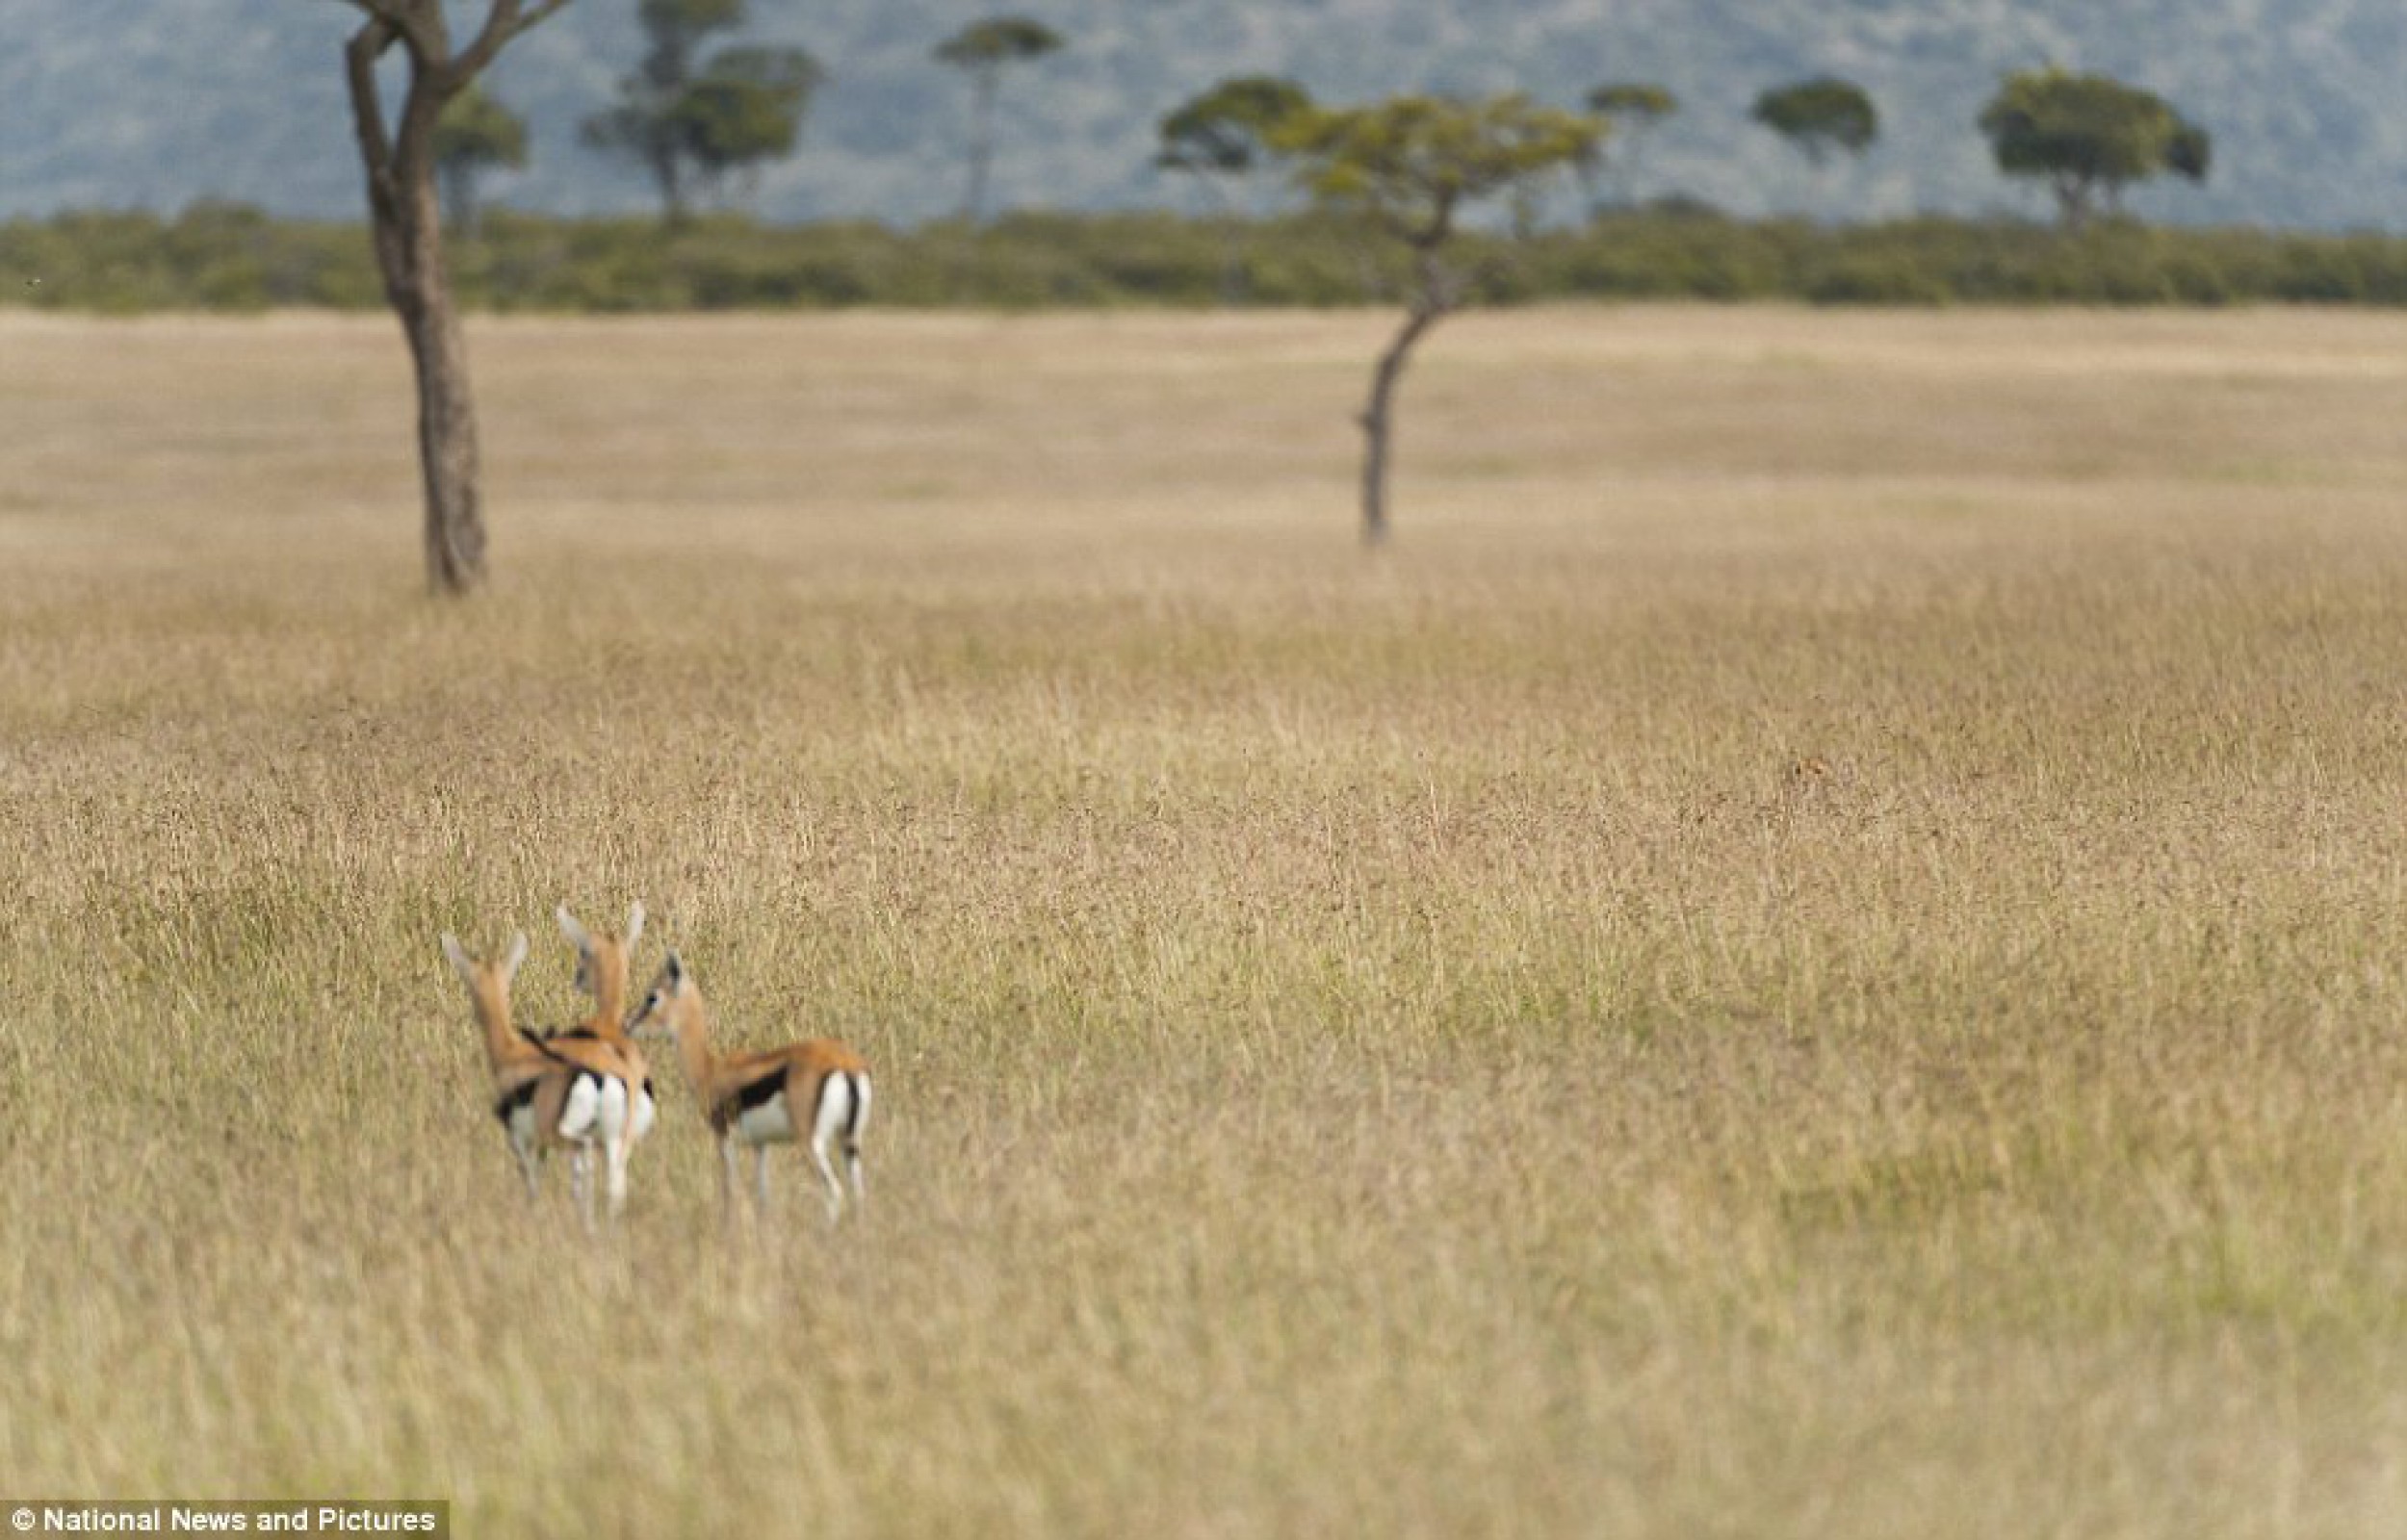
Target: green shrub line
[[222, 257]]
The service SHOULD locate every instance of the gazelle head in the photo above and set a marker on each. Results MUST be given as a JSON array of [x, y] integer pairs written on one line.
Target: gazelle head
[[488, 983], [602, 960], [658, 1016]]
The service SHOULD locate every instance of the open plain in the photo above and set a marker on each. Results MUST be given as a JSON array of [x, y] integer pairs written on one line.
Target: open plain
[[1819, 950]]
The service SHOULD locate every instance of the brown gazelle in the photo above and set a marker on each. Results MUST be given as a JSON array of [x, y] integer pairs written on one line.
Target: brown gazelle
[[816, 1092], [602, 962], [574, 1095]]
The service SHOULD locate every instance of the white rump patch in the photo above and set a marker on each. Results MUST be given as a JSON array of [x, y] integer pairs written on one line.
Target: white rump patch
[[581, 1110], [834, 1110]]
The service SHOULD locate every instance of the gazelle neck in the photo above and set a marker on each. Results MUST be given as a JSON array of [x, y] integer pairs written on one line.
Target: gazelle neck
[[492, 1000], [609, 1000], [691, 1020]]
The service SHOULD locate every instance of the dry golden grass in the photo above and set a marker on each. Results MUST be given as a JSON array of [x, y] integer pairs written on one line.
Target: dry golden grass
[[1816, 955]]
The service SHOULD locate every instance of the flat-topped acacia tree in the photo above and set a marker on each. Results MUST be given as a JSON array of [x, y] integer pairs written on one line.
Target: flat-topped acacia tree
[[1221, 138], [1408, 168], [1633, 110], [399, 153], [981, 50], [2088, 137], [684, 118]]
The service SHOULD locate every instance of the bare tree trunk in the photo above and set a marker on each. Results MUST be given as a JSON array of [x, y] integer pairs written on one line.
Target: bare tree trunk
[[447, 442], [2072, 202], [669, 178], [1378, 417], [1435, 291], [456, 192], [981, 143], [406, 226]]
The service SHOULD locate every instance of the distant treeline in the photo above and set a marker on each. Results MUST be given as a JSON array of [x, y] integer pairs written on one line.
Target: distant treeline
[[218, 257]]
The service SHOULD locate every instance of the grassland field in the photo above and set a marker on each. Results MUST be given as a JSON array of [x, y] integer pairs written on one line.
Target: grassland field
[[1819, 951]]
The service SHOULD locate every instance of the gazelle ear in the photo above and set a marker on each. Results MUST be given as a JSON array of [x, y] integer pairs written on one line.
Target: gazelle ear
[[676, 969], [576, 933], [634, 923], [461, 963], [516, 955]]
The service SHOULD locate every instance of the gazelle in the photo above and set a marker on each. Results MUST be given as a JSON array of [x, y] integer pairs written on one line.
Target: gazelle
[[770, 1097], [602, 971], [573, 1095]]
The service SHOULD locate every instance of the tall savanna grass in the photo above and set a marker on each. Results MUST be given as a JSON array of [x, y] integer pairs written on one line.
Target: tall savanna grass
[[1813, 952]]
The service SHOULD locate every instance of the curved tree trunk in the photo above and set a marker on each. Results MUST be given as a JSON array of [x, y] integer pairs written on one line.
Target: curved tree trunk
[[1378, 421], [1436, 291]]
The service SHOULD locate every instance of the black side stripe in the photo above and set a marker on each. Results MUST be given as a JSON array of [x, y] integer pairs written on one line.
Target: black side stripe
[[510, 1100], [760, 1091]]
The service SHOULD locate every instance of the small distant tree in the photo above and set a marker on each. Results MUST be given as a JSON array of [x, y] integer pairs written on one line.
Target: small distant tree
[[1221, 138], [396, 152], [689, 122], [982, 50], [475, 134], [1633, 110], [1408, 168], [2088, 137], [746, 109], [1819, 117]]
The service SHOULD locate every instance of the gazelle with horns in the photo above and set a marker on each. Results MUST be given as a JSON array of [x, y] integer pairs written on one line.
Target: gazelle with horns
[[602, 971], [574, 1095], [817, 1092]]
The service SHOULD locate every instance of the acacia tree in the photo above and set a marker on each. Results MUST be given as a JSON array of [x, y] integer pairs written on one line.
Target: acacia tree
[[1409, 168], [2088, 135], [1220, 138], [475, 134], [1633, 110], [686, 119], [981, 50], [1819, 117], [397, 151]]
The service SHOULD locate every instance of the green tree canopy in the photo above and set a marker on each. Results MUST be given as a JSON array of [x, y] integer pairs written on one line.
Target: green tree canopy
[[746, 107], [1224, 136], [1632, 102], [997, 42], [686, 119], [1226, 130], [475, 134], [2088, 135], [1408, 167], [1820, 115], [1410, 163]]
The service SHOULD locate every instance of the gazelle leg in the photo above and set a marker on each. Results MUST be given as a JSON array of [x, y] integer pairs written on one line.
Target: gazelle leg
[[852, 1139], [614, 1176], [527, 1168], [581, 1182], [761, 1178], [827, 1174], [727, 1179]]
